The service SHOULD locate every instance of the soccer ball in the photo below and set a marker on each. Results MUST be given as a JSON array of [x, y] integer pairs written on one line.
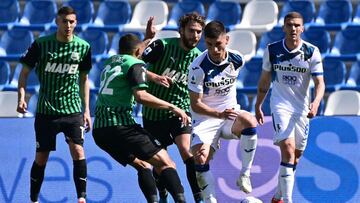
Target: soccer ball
[[251, 200]]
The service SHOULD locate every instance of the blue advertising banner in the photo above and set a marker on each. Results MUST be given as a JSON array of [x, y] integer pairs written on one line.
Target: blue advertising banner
[[328, 172]]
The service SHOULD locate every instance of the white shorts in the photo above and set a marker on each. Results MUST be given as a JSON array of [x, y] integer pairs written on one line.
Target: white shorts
[[209, 130], [291, 126]]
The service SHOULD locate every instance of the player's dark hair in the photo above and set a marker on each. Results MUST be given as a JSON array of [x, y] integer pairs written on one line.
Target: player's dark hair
[[191, 17], [292, 15], [214, 29], [66, 10], [128, 43]]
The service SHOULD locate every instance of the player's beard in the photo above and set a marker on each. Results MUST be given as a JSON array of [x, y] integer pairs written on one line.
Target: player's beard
[[188, 43]]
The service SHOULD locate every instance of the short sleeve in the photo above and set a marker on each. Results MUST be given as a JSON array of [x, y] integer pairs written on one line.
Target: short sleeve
[[316, 66], [153, 52], [137, 76], [85, 64], [196, 79], [31, 56], [266, 65]]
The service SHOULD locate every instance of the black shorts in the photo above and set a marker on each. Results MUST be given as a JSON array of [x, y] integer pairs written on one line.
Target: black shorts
[[47, 127], [125, 143], [166, 130]]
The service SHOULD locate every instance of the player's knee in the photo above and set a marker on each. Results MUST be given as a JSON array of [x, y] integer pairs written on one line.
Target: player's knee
[[247, 120]]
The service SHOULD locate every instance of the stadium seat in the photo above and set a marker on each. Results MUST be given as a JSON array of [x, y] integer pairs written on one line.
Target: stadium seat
[[181, 8], [8, 103], [347, 43], [249, 76], [259, 24], [274, 35], [15, 42], [243, 41], [334, 74], [305, 7], [32, 84], [143, 10], [98, 41], [343, 102], [353, 81], [356, 18], [9, 13], [114, 46], [94, 76], [31, 106], [161, 34], [4, 74], [84, 12], [231, 9], [243, 100], [318, 37], [333, 14], [38, 15], [112, 15]]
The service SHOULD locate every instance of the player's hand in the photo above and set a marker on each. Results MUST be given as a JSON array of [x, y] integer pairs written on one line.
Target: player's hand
[[313, 109], [182, 115], [230, 114], [150, 28], [87, 121], [259, 116], [21, 107], [164, 81]]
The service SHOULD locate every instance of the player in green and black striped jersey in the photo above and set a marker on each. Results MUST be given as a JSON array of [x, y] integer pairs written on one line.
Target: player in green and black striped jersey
[[62, 62], [170, 58], [115, 131]]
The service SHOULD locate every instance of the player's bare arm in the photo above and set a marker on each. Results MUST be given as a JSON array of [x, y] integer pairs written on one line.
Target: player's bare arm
[[319, 93], [162, 80], [85, 95], [263, 88], [22, 105]]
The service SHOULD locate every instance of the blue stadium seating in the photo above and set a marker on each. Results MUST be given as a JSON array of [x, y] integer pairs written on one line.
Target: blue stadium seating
[[9, 13], [114, 46], [347, 43], [84, 12], [305, 7], [333, 14], [112, 15], [94, 76], [356, 18], [38, 15], [243, 100], [14, 43], [353, 81], [4, 74], [232, 11], [181, 8], [98, 41], [249, 76], [274, 35], [92, 103], [318, 37], [32, 84], [334, 74]]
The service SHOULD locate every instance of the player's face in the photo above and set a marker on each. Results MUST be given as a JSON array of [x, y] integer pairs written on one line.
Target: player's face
[[293, 27], [66, 25], [191, 34], [216, 47]]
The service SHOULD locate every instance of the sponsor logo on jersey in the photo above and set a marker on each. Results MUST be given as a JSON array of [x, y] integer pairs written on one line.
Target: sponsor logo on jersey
[[223, 82], [75, 56], [279, 67], [175, 76], [61, 68]]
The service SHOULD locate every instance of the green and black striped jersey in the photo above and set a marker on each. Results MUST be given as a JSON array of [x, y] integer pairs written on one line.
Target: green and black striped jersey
[[57, 65], [166, 57], [121, 75]]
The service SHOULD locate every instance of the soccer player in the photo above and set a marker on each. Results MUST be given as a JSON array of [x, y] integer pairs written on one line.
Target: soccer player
[[214, 109], [117, 133], [290, 64], [170, 58], [62, 62]]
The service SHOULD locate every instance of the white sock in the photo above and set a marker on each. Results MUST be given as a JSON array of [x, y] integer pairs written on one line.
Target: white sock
[[206, 182], [286, 177], [247, 147], [278, 191]]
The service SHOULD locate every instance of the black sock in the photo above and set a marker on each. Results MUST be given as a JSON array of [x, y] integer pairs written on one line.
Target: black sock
[[36, 179], [160, 185], [191, 176], [147, 185], [80, 177], [172, 182]]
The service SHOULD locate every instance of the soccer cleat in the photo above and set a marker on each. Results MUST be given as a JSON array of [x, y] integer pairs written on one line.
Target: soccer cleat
[[81, 200], [244, 183], [274, 200]]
